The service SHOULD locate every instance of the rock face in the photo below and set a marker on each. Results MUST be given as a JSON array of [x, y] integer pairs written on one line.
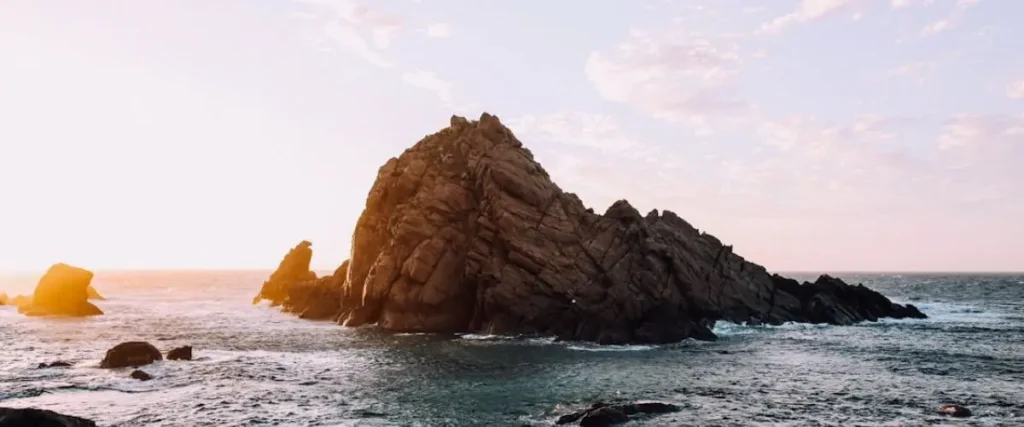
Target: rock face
[[133, 353], [294, 268], [62, 291], [22, 417], [465, 231], [180, 353]]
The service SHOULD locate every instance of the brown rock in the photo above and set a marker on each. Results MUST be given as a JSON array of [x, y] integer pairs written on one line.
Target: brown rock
[[3, 298], [293, 268], [465, 231], [25, 417], [140, 375], [954, 410], [62, 291], [133, 353], [180, 353]]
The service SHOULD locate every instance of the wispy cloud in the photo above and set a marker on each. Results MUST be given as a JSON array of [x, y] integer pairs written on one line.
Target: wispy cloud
[[1015, 90], [429, 81], [353, 27], [671, 76], [807, 11]]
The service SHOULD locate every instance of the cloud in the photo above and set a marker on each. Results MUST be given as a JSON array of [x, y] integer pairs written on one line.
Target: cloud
[[579, 129], [439, 30], [429, 81], [935, 27], [1015, 90], [897, 4], [808, 11], [671, 76], [354, 27]]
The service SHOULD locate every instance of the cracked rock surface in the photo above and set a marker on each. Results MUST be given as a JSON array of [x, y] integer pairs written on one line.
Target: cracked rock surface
[[466, 232]]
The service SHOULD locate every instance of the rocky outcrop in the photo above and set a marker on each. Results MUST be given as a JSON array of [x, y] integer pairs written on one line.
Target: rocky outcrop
[[91, 293], [140, 375], [22, 417], [3, 298], [130, 354], [602, 414], [954, 410], [294, 268], [62, 291], [465, 231], [57, 364], [180, 353]]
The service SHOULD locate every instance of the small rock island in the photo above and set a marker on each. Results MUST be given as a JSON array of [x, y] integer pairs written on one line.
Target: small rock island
[[62, 291], [466, 232]]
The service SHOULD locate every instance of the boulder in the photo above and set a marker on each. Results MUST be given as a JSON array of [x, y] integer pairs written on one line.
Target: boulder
[[62, 291], [23, 417], [140, 375], [57, 364], [20, 301], [3, 298], [466, 232], [954, 410], [130, 354], [180, 353], [601, 414], [93, 294]]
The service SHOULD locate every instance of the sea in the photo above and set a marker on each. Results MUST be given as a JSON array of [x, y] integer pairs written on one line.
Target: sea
[[255, 366]]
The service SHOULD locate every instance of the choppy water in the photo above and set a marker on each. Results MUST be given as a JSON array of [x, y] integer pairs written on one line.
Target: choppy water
[[256, 366]]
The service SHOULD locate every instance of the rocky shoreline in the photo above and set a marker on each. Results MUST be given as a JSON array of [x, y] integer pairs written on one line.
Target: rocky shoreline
[[466, 232]]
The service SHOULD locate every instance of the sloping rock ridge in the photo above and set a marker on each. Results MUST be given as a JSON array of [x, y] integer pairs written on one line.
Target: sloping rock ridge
[[466, 232], [62, 291]]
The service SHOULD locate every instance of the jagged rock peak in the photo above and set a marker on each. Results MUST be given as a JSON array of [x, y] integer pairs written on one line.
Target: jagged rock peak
[[465, 231]]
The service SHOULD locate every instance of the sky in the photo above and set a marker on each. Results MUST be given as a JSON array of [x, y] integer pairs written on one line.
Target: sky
[[813, 135]]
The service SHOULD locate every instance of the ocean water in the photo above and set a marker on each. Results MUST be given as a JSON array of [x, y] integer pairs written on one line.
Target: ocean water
[[256, 366]]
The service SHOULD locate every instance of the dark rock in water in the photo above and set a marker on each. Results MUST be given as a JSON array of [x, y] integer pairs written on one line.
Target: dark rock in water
[[180, 353], [466, 232], [954, 410], [91, 292], [25, 417], [57, 364], [294, 268], [131, 354], [601, 414], [140, 375], [62, 291]]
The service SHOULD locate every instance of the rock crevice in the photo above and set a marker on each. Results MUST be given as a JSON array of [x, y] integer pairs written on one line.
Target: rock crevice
[[466, 232]]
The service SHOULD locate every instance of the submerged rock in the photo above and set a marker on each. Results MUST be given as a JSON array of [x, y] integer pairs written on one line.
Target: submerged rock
[[180, 353], [466, 232], [57, 364], [130, 354], [23, 417], [140, 375], [62, 291], [601, 414], [954, 410]]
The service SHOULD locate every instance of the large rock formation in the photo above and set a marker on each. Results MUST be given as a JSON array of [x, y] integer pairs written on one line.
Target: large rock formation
[[62, 291], [132, 353], [465, 231], [23, 417]]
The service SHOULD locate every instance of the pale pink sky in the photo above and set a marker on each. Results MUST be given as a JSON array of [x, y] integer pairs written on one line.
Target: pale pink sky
[[811, 135]]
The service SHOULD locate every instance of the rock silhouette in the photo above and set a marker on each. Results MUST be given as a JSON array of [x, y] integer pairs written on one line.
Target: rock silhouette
[[62, 291], [133, 354], [466, 232], [22, 417], [57, 364], [180, 353], [140, 375], [954, 410], [602, 414], [3, 298]]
